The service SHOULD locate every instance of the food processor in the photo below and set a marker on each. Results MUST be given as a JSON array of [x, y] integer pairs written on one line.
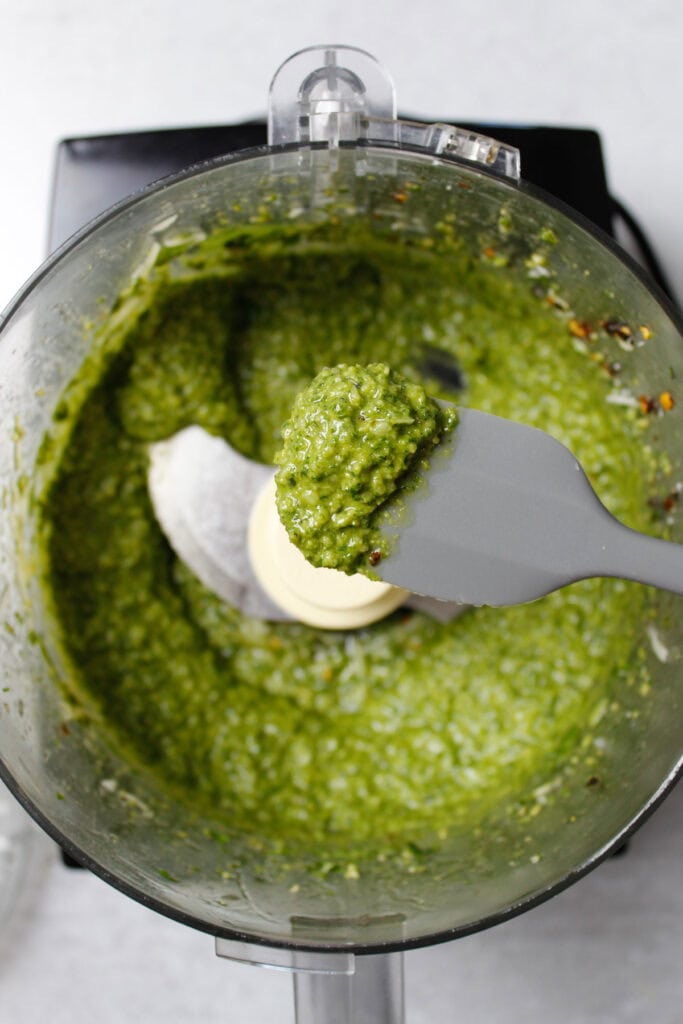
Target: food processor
[[336, 149]]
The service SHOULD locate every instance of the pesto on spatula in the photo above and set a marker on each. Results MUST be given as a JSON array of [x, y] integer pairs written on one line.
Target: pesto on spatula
[[356, 438]]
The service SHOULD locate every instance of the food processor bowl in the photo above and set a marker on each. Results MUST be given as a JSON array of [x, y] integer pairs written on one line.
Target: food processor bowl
[[330, 158]]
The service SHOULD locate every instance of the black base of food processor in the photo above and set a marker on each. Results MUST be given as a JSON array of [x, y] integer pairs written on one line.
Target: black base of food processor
[[92, 173]]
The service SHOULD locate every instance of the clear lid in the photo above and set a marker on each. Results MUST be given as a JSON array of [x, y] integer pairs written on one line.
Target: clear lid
[[340, 94]]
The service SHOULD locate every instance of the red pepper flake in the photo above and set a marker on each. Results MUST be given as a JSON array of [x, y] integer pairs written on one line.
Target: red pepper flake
[[666, 504], [618, 329], [399, 197], [647, 405], [64, 729], [375, 556], [489, 252], [666, 400], [465, 185], [579, 328]]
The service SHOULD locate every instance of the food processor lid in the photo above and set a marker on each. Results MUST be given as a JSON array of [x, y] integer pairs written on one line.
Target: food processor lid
[[336, 95]]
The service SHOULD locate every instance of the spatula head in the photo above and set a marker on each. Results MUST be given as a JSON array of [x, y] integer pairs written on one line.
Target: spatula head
[[505, 515]]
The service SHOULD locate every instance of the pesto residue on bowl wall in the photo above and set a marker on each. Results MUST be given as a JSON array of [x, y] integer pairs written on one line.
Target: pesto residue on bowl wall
[[341, 741]]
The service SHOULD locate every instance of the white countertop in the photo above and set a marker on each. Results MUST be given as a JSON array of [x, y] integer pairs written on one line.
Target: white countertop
[[608, 950]]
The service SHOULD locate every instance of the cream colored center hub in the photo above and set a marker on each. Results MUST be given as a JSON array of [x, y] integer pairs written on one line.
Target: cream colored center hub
[[319, 597]]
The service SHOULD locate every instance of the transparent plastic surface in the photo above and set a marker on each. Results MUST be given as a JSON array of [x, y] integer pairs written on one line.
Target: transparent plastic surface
[[319, 93], [372, 995], [336, 94], [56, 754]]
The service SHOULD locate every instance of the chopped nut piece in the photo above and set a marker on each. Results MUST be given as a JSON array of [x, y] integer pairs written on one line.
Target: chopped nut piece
[[647, 405], [557, 302]]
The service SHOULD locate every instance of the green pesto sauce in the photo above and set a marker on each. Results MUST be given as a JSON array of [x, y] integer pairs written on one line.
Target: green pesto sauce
[[356, 438], [406, 727]]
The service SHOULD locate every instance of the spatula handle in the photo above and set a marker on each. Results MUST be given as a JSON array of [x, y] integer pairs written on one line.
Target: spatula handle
[[630, 555]]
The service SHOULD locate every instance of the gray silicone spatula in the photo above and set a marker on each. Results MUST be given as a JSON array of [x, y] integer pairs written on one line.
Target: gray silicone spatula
[[508, 515]]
